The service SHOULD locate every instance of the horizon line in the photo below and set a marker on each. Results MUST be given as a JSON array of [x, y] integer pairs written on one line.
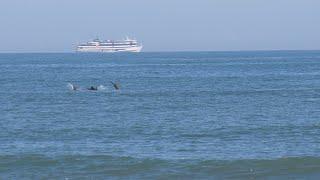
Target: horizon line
[[177, 51]]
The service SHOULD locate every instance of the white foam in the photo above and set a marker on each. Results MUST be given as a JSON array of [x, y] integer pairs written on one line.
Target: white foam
[[70, 86], [102, 88]]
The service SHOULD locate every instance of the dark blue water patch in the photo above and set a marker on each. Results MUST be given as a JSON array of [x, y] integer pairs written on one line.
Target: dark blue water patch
[[101, 167]]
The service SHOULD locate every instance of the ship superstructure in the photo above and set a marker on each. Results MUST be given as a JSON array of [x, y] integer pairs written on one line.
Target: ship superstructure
[[127, 45]]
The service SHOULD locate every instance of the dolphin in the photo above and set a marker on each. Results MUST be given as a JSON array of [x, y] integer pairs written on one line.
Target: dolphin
[[92, 88], [116, 86]]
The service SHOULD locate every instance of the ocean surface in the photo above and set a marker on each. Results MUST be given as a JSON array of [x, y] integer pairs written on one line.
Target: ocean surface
[[184, 115]]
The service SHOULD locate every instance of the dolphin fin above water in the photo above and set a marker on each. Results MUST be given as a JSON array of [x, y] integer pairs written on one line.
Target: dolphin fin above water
[[92, 88], [115, 85]]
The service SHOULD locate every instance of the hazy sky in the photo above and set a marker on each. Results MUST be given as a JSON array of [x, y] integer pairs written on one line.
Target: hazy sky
[[161, 25]]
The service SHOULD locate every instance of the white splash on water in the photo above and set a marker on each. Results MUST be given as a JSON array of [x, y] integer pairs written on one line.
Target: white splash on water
[[101, 88], [70, 86]]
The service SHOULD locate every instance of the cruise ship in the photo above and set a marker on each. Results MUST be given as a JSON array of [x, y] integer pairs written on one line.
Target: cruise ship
[[127, 45]]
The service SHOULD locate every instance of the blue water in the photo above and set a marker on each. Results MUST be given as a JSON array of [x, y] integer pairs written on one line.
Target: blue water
[[177, 115]]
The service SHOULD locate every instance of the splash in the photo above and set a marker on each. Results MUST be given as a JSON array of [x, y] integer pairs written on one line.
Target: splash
[[70, 86], [101, 88]]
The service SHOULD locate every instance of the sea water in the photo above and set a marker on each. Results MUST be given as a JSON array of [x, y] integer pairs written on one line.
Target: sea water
[[187, 115]]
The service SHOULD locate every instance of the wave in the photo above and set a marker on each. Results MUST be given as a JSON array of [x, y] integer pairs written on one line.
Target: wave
[[101, 166]]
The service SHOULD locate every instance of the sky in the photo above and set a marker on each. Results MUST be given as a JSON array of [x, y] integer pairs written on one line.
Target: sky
[[161, 25]]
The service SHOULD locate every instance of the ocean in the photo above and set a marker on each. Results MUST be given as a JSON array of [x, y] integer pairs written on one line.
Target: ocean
[[177, 115]]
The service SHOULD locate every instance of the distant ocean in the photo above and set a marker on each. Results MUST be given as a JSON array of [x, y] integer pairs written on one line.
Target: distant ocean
[[184, 115]]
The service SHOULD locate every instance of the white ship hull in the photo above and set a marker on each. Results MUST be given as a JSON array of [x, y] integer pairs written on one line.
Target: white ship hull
[[126, 45], [108, 49]]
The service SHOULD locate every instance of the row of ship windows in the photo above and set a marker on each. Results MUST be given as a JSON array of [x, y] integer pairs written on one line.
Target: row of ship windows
[[112, 43], [102, 46], [118, 44], [109, 45]]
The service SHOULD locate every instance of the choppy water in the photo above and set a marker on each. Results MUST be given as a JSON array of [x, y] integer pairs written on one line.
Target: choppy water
[[177, 115]]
